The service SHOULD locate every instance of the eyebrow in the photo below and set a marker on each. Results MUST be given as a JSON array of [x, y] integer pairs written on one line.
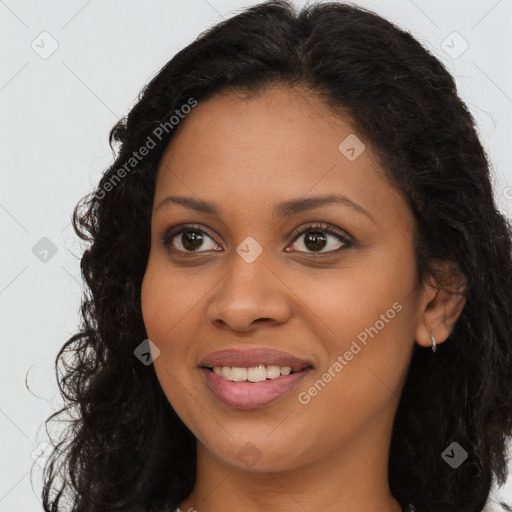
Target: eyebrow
[[284, 209]]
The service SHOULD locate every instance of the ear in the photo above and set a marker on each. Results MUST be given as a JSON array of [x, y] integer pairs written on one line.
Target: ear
[[442, 302]]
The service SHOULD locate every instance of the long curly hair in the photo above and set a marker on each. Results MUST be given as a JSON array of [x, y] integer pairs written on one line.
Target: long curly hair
[[124, 447]]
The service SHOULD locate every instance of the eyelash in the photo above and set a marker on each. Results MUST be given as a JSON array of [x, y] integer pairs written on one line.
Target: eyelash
[[317, 226]]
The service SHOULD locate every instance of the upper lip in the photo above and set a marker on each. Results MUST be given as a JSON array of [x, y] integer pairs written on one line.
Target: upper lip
[[247, 358]]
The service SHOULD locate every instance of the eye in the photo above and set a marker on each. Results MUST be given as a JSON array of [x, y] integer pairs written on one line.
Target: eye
[[315, 239], [191, 240], [193, 237]]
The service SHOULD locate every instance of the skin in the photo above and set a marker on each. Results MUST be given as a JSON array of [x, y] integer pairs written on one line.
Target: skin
[[246, 155]]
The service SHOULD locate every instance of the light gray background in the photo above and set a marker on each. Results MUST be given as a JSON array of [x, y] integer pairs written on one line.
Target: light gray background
[[56, 114]]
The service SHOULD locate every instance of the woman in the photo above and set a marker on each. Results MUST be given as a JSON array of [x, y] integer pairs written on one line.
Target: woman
[[300, 285]]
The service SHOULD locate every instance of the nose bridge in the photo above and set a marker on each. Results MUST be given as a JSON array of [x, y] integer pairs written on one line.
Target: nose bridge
[[249, 291], [247, 280]]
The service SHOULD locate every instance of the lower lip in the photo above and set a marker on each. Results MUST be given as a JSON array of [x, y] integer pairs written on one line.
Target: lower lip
[[251, 395]]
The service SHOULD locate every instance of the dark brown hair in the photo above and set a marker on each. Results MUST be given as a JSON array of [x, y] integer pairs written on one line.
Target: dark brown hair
[[125, 448]]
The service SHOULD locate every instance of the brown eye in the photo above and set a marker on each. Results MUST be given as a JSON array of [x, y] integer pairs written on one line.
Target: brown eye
[[192, 239], [188, 239], [316, 238]]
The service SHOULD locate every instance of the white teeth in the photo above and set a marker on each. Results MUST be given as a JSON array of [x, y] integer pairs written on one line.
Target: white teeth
[[273, 372], [254, 374], [257, 374], [238, 374]]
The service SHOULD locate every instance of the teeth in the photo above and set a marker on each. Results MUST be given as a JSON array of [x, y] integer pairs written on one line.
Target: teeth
[[273, 372], [254, 374], [238, 374], [257, 374]]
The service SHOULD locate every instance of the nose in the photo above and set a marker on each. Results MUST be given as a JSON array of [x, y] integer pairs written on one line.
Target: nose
[[249, 294]]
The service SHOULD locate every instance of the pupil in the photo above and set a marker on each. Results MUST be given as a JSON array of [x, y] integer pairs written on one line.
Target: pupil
[[193, 236], [314, 237]]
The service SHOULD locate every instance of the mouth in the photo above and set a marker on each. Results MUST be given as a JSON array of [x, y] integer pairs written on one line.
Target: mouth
[[251, 389], [243, 378], [243, 358], [254, 374]]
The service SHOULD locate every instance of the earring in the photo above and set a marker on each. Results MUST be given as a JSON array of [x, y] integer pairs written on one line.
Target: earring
[[433, 338]]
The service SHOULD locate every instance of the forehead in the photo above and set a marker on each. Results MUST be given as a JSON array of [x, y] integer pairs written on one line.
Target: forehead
[[275, 145], [280, 130], [278, 119]]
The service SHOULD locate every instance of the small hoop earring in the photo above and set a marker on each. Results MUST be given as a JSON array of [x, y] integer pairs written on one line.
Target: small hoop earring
[[433, 338]]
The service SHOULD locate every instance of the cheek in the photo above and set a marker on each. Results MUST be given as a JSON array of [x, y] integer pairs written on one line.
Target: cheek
[[161, 313], [152, 303], [362, 374], [354, 298], [161, 310], [168, 299], [368, 319], [164, 300]]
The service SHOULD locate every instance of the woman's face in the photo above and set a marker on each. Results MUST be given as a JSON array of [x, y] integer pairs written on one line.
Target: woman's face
[[344, 302]]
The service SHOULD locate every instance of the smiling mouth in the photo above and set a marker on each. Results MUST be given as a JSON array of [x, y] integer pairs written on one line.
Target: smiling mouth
[[248, 388], [254, 374]]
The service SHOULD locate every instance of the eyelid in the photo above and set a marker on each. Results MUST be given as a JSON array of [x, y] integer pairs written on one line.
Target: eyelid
[[322, 226]]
